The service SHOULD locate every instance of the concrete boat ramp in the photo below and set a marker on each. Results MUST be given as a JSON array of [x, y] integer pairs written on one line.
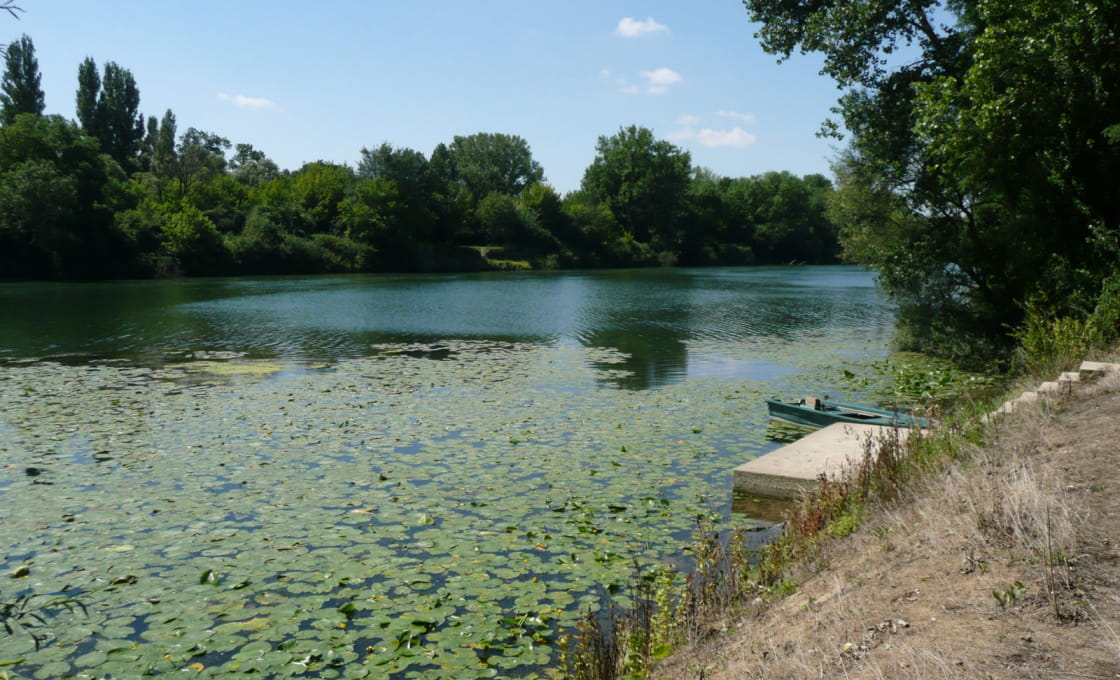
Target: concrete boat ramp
[[798, 467]]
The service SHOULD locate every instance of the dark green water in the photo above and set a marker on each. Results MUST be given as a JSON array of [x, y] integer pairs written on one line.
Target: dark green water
[[673, 323], [381, 476]]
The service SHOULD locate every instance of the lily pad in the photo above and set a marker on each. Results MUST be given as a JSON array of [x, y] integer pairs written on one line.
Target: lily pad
[[367, 519]]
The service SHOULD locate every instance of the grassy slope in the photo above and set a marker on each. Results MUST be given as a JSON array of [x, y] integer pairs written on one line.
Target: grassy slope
[[1004, 564]]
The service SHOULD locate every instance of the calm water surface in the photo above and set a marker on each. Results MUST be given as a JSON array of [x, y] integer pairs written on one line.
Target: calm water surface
[[383, 476], [674, 324]]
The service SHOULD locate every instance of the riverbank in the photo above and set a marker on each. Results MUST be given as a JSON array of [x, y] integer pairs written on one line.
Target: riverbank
[[1002, 565]]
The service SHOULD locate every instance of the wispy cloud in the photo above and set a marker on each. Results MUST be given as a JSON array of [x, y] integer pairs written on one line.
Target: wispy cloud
[[745, 117], [657, 82], [634, 28], [243, 102], [662, 77], [736, 137]]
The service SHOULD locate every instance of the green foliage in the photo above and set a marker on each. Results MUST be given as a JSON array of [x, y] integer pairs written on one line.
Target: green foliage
[[53, 219], [980, 169], [1048, 344], [491, 162], [271, 244], [642, 181], [317, 191], [918, 381], [193, 240], [223, 200], [498, 217], [21, 88], [370, 214], [156, 209], [1010, 595], [108, 108], [251, 166], [846, 522]]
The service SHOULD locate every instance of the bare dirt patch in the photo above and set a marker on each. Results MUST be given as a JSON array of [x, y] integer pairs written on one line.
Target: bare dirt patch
[[1006, 565]]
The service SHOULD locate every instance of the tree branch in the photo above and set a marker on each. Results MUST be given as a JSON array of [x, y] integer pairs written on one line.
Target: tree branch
[[10, 8]]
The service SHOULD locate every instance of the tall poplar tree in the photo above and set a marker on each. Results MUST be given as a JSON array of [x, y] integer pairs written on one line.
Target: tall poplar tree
[[21, 90], [89, 85], [108, 110]]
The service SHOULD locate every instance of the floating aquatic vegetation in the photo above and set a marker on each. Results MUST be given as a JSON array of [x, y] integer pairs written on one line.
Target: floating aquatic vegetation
[[443, 509]]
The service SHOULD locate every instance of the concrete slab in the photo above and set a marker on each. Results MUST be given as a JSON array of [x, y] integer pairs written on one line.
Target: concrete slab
[[1095, 369], [1069, 377], [1053, 388], [798, 467]]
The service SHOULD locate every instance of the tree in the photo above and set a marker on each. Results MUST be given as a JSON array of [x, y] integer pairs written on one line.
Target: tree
[[317, 192], [499, 218], [200, 158], [413, 189], [54, 220], [89, 87], [158, 155], [544, 204], [251, 166], [487, 162], [643, 182], [193, 241], [21, 89], [108, 109], [984, 155]]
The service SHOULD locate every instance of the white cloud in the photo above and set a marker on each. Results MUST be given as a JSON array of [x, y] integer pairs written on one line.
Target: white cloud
[[688, 120], [682, 135], [662, 77], [243, 102], [658, 82], [633, 28], [736, 137], [745, 117]]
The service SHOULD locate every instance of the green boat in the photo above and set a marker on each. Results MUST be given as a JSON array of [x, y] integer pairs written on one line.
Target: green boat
[[816, 413]]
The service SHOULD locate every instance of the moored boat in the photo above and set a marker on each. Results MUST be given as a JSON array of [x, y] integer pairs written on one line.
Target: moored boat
[[816, 413]]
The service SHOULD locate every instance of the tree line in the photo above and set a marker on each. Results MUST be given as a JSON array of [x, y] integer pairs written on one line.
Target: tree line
[[981, 174], [120, 194]]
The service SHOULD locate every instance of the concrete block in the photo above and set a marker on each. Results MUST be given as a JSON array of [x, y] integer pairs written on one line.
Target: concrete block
[[798, 467], [1095, 369], [1054, 389]]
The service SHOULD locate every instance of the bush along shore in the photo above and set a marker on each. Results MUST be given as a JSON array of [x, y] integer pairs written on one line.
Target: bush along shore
[[980, 548]]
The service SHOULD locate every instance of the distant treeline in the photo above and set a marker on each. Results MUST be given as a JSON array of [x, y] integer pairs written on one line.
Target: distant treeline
[[118, 194]]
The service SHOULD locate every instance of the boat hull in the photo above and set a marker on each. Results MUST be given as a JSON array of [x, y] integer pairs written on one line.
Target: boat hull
[[829, 413]]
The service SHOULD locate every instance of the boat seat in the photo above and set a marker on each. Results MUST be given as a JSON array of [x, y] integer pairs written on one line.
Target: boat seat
[[813, 403]]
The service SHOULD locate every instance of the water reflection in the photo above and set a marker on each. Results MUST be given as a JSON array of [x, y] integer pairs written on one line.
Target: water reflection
[[674, 324], [760, 507], [784, 433]]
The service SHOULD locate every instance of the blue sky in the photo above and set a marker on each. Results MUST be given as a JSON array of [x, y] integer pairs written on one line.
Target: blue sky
[[306, 81]]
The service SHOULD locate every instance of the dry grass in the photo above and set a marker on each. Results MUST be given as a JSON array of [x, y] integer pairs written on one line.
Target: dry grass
[[1002, 563]]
